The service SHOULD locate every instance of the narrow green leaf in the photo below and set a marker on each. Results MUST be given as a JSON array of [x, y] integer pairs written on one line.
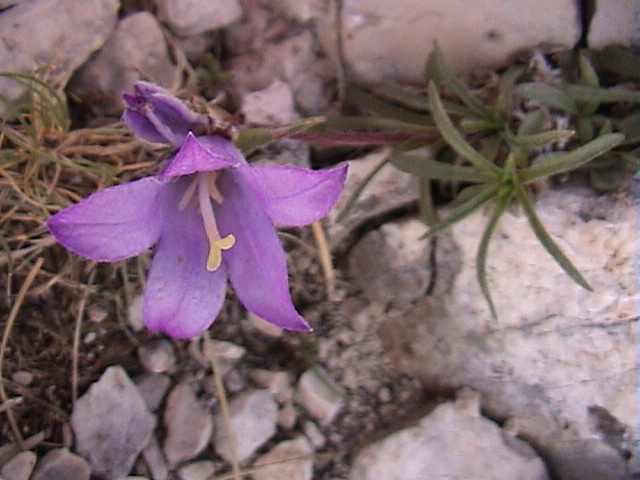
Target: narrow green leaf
[[546, 240], [400, 95], [508, 80], [540, 139], [424, 167], [446, 78], [502, 202], [583, 93], [547, 95], [250, 139], [425, 202], [467, 193], [630, 127], [532, 123], [476, 125], [453, 137], [375, 106], [341, 123], [561, 163], [585, 128], [465, 209], [588, 77]]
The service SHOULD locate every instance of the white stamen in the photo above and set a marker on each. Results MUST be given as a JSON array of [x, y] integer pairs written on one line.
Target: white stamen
[[188, 194]]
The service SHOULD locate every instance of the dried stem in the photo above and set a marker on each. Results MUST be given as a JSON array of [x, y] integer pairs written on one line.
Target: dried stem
[[324, 255], [3, 346], [76, 340], [224, 407]]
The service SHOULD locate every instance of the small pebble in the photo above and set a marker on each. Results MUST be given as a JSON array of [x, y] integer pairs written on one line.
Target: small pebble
[[61, 464], [23, 378], [202, 470], [19, 467], [157, 356], [314, 435], [319, 395]]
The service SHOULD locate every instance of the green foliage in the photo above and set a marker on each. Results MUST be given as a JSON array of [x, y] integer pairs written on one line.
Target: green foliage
[[495, 147]]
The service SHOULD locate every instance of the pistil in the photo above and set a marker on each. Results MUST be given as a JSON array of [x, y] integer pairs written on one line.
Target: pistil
[[207, 191]]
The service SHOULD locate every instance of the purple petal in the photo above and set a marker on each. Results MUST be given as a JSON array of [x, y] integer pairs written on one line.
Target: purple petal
[[161, 117], [114, 223], [142, 127], [182, 298], [295, 196], [202, 154], [256, 264]]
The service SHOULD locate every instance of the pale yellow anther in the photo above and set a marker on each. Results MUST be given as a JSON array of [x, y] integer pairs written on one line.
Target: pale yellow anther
[[216, 248]]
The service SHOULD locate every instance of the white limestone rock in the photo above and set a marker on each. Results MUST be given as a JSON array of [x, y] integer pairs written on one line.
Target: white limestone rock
[[454, 441]]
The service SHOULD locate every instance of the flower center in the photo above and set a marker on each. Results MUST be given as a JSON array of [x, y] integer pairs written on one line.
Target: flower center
[[205, 184]]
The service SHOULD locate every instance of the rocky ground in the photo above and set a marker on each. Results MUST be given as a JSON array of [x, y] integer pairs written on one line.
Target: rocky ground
[[406, 375]]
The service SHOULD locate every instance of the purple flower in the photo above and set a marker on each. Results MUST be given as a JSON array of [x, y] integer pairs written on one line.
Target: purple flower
[[210, 214]]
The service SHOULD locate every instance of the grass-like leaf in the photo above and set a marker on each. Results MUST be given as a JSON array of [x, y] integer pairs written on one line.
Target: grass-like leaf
[[583, 93], [502, 202], [548, 95], [424, 167], [560, 163], [546, 240], [465, 209], [375, 106], [537, 140], [440, 73], [507, 84], [532, 123], [453, 137], [588, 77]]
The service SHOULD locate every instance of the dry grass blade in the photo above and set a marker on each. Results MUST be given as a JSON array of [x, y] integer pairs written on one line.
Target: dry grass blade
[[224, 406], [5, 339], [324, 255], [76, 340]]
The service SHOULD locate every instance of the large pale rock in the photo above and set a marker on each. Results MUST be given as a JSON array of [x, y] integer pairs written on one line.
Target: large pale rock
[[253, 415], [384, 43], [319, 395], [615, 23], [112, 424], [59, 34], [454, 441], [559, 359], [271, 106], [192, 17], [391, 263], [19, 467], [389, 190], [189, 425], [291, 460], [61, 464], [137, 50]]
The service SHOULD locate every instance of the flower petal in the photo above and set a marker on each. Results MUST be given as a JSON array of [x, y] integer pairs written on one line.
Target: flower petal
[[161, 117], [112, 224], [182, 298], [202, 154], [296, 196], [256, 264]]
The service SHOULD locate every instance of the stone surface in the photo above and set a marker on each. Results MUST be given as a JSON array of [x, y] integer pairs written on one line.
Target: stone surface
[[19, 467], [188, 423], [134, 313], [302, 11], [454, 441], [391, 263], [226, 353], [192, 17], [288, 416], [389, 190], [559, 358], [154, 458], [153, 387], [615, 23], [111, 442], [135, 51], [319, 395], [253, 416], [277, 382], [157, 356], [283, 467], [202, 470], [382, 44], [314, 435], [270, 106], [61, 464], [75, 32], [267, 328]]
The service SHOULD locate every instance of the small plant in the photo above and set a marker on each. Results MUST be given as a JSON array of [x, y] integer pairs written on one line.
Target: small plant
[[507, 122]]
